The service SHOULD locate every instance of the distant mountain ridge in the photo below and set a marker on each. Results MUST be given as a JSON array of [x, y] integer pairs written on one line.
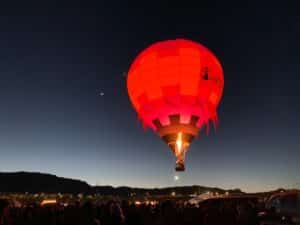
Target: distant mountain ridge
[[32, 182]]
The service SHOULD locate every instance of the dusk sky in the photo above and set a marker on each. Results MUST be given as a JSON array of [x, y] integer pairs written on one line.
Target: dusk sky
[[56, 59]]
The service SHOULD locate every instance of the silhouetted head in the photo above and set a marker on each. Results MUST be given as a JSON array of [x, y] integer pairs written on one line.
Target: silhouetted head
[[3, 205]]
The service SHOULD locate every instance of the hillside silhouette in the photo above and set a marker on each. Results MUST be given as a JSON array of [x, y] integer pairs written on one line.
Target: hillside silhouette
[[32, 182]]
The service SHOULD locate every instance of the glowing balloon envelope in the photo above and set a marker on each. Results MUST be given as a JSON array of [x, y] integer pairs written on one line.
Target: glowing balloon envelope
[[175, 87]]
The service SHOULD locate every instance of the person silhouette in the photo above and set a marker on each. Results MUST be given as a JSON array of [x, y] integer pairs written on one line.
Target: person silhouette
[[3, 207]]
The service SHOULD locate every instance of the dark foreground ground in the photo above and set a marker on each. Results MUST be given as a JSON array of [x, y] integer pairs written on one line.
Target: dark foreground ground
[[220, 212]]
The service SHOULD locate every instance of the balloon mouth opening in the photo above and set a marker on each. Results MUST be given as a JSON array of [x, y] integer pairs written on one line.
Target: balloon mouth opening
[[178, 137], [179, 147]]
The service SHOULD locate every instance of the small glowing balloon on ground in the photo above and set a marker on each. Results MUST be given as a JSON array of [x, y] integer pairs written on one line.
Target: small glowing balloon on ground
[[175, 87]]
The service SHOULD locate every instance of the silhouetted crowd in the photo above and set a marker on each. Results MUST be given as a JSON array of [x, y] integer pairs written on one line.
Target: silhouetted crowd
[[220, 212]]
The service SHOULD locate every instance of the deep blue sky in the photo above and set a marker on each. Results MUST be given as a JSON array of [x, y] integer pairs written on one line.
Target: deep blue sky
[[56, 59]]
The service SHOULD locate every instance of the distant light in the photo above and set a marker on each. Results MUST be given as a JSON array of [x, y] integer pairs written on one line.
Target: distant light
[[137, 203], [153, 202], [173, 193], [101, 93], [48, 202], [176, 177]]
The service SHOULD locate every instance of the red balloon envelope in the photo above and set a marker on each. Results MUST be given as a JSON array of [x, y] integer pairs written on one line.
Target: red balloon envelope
[[175, 87]]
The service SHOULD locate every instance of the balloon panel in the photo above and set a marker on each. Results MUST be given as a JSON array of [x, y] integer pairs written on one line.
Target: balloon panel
[[175, 77]]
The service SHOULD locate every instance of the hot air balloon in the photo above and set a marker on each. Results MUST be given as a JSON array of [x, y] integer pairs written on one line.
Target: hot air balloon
[[175, 87]]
